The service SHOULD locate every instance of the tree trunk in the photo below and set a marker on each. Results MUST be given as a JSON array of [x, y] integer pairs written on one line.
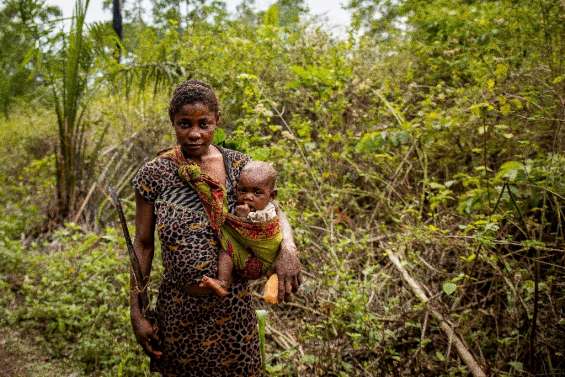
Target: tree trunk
[[117, 25]]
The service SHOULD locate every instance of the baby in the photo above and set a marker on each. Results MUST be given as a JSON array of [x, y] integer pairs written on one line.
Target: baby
[[255, 193]]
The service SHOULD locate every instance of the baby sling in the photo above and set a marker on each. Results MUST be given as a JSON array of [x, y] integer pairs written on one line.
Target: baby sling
[[253, 247]]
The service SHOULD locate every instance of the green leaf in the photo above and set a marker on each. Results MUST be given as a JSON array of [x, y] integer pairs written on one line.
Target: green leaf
[[449, 287], [516, 365], [532, 243], [505, 109], [470, 258], [370, 142], [440, 356], [490, 84], [309, 359], [558, 79], [219, 136], [511, 170], [436, 186], [501, 71], [272, 16], [273, 369], [261, 325], [261, 154]]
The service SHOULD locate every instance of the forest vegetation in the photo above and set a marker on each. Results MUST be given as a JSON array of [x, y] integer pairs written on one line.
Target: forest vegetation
[[421, 159]]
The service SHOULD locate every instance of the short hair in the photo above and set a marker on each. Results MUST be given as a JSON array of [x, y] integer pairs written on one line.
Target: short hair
[[264, 169], [190, 92]]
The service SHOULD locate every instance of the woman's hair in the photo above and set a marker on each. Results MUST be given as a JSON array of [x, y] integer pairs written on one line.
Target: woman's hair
[[192, 91]]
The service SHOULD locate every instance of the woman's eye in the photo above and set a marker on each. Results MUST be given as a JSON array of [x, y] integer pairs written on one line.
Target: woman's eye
[[204, 124]]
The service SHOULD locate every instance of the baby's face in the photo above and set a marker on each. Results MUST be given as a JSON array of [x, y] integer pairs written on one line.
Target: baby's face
[[254, 190]]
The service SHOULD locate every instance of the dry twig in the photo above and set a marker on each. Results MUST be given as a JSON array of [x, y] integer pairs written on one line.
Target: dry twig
[[419, 292]]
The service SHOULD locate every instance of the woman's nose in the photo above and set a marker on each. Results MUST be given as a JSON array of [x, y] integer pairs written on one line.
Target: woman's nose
[[193, 134]]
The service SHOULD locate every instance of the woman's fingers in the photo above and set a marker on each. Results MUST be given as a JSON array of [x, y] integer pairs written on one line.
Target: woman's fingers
[[154, 341], [150, 343], [296, 280], [281, 288], [154, 336], [288, 284], [146, 334], [288, 287], [288, 268], [150, 349]]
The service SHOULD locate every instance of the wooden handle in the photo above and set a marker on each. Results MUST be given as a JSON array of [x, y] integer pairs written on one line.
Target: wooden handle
[[271, 290]]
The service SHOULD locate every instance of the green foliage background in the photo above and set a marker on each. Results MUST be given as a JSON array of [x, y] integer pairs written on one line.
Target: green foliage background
[[432, 128]]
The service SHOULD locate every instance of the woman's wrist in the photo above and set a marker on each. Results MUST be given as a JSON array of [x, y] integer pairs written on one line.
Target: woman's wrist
[[288, 246], [134, 309], [135, 314]]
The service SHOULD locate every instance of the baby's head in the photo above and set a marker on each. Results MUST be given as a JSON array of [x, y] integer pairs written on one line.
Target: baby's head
[[257, 185]]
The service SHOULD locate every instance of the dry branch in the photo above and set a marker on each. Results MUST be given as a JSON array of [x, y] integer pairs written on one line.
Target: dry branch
[[91, 190], [115, 149], [419, 292]]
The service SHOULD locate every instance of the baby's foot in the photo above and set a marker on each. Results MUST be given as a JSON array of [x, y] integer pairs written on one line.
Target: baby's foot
[[217, 286]]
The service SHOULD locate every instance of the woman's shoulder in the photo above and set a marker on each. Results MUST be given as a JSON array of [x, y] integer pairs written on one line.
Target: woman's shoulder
[[236, 158], [157, 165], [153, 176]]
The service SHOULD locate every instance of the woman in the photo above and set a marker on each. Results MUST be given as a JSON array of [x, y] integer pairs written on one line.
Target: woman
[[196, 334]]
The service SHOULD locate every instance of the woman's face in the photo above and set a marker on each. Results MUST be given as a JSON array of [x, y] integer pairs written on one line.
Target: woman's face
[[194, 127]]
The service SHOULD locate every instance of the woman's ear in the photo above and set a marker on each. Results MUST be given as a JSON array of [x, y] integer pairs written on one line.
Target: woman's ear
[[218, 116], [273, 194]]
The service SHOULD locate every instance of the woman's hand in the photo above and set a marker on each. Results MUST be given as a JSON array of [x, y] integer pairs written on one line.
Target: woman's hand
[[146, 336], [288, 267]]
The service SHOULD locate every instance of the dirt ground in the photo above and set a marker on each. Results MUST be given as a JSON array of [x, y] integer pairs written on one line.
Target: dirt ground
[[19, 357]]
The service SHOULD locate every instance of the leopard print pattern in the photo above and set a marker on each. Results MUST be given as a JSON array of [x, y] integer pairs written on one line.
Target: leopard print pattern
[[200, 336]]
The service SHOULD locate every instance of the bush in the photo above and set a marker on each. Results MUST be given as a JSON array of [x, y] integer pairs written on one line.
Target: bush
[[74, 292]]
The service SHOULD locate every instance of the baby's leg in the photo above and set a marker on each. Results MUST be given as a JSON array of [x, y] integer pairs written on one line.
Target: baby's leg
[[220, 285]]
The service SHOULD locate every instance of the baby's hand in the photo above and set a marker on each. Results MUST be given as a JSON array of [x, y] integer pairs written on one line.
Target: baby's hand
[[242, 210]]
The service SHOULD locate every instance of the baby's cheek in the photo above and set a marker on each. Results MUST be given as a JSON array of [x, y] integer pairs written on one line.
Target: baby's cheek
[[264, 200]]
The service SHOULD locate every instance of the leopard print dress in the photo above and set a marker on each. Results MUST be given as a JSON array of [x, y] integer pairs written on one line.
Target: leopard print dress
[[200, 336]]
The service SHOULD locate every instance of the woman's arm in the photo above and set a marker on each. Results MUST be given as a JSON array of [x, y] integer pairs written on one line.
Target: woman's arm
[[144, 245], [287, 264]]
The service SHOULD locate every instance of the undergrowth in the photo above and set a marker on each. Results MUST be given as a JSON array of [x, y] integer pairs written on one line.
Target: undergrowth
[[440, 142], [72, 289]]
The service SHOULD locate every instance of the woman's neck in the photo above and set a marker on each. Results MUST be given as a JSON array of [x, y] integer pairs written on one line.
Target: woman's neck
[[211, 151]]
